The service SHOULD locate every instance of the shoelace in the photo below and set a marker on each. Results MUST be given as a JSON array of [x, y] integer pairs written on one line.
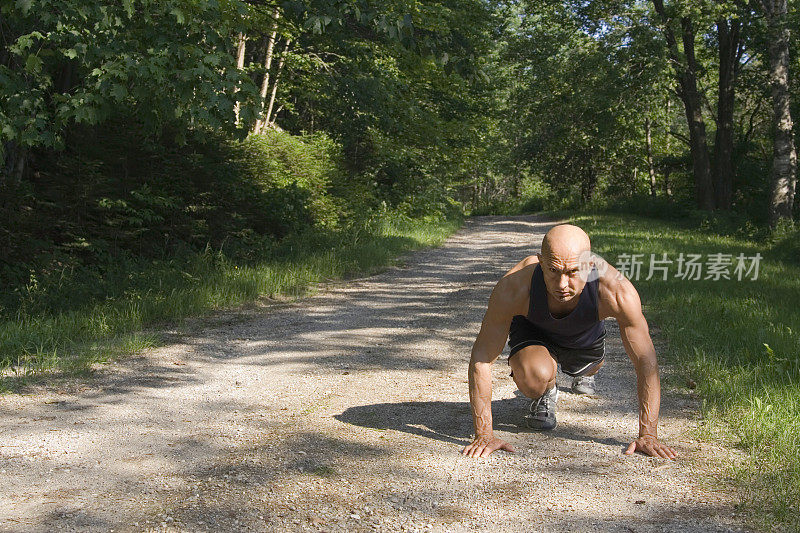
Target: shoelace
[[542, 406]]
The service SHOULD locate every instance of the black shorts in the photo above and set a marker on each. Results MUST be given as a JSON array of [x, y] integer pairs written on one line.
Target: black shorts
[[573, 361]]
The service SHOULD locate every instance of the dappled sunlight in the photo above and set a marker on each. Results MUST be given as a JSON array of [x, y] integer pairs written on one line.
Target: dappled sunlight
[[345, 409]]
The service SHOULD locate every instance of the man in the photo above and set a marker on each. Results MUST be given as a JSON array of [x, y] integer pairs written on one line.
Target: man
[[552, 307]]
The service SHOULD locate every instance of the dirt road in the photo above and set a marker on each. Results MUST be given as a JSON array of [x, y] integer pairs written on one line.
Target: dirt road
[[347, 411]]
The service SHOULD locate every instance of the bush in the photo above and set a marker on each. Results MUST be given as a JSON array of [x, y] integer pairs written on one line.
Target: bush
[[117, 196], [785, 240], [298, 172]]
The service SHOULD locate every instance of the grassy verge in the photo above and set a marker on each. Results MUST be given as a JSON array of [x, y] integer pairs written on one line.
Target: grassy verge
[[738, 340], [139, 295]]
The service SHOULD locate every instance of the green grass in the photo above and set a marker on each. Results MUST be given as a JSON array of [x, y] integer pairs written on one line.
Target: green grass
[[324, 471], [738, 340], [56, 333]]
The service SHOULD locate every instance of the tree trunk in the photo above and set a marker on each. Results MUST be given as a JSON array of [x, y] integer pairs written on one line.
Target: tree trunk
[[240, 53], [588, 183], [686, 73], [65, 81], [701, 163], [651, 169], [784, 155], [668, 148], [268, 118], [474, 197], [14, 163], [515, 183], [260, 123], [730, 53]]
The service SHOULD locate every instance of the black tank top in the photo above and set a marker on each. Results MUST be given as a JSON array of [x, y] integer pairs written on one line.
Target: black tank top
[[581, 328]]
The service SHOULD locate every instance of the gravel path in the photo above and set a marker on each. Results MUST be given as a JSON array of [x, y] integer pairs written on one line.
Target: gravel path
[[347, 411]]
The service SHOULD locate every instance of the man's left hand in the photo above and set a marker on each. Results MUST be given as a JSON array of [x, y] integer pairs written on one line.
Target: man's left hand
[[650, 446]]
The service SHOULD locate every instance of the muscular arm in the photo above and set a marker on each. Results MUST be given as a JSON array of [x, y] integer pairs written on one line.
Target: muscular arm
[[485, 351], [487, 347], [639, 346]]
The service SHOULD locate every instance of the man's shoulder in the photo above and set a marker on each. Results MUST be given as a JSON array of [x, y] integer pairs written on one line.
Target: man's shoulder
[[521, 272], [529, 263], [516, 283], [614, 289]]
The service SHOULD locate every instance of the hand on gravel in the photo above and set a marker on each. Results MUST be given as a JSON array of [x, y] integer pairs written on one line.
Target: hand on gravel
[[650, 446], [483, 446]]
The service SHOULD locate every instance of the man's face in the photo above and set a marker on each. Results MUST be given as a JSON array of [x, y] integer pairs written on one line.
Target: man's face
[[564, 274]]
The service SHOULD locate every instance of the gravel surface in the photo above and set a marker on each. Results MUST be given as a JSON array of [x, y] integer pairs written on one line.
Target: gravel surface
[[346, 411]]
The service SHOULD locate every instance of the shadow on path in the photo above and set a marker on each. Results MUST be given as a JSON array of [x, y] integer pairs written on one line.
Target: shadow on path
[[452, 422]]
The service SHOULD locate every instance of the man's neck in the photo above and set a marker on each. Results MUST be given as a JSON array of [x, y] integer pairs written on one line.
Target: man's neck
[[561, 309]]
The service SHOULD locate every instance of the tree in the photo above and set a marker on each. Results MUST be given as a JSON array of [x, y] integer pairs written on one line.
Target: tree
[[686, 72], [273, 32], [586, 76], [400, 85], [730, 45], [67, 62], [784, 158]]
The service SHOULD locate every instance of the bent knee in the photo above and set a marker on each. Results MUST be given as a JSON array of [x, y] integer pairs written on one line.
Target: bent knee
[[533, 370]]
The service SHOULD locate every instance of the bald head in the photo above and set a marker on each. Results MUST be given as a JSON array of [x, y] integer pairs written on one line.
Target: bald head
[[565, 241], [562, 261]]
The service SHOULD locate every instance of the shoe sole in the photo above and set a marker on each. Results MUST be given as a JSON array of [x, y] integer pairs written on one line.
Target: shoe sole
[[529, 426]]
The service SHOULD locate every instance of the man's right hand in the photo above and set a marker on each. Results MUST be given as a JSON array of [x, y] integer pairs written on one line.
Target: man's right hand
[[483, 446]]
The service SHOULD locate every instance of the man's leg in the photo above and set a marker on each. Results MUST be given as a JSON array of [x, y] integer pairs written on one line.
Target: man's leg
[[582, 365], [534, 370], [584, 383], [594, 370]]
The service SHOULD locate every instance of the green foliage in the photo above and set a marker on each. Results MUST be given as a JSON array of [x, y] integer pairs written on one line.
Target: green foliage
[[120, 164], [786, 242], [413, 134], [578, 109], [431, 102], [120, 200], [83, 62], [589, 76], [440, 30], [298, 174]]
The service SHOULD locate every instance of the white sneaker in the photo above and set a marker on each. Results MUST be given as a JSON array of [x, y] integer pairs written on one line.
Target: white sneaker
[[583, 385]]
